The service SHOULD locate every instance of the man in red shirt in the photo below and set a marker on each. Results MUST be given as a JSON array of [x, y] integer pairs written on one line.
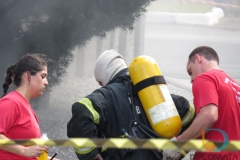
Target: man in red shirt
[[217, 103]]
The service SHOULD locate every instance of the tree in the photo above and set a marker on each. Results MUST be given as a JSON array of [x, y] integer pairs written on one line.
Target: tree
[[56, 27]]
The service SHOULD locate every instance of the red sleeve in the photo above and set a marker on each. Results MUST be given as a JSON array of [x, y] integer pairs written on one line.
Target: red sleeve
[[204, 91], [8, 115]]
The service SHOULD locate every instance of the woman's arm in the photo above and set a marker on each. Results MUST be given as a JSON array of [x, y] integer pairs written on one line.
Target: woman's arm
[[30, 151]]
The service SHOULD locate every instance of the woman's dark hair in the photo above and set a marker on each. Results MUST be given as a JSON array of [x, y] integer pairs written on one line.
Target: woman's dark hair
[[207, 52], [30, 62]]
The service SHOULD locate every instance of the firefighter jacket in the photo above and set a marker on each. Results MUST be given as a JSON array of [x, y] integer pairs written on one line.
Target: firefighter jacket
[[104, 114]]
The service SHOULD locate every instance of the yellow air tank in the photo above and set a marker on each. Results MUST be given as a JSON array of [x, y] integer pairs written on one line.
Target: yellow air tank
[[155, 97]]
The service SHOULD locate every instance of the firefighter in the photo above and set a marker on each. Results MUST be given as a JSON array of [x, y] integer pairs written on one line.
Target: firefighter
[[112, 112]]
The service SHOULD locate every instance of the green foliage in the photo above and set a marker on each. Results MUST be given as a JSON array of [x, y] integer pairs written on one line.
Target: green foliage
[[56, 27]]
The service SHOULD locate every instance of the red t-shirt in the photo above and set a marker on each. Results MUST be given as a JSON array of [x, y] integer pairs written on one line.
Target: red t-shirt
[[17, 121], [216, 87]]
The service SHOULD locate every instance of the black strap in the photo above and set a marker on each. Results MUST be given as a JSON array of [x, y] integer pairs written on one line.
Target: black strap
[[148, 82], [135, 126]]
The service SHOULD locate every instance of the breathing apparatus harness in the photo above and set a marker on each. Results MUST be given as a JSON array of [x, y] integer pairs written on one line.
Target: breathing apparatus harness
[[139, 127]]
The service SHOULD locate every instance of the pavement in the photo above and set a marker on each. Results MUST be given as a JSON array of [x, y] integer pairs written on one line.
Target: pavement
[[180, 82], [215, 18]]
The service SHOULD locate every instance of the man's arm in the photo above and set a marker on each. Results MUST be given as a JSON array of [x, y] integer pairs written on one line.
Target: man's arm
[[82, 125], [207, 116]]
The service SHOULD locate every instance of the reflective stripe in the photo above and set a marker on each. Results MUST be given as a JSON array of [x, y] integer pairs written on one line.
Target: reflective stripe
[[104, 149], [189, 116], [84, 150], [88, 104]]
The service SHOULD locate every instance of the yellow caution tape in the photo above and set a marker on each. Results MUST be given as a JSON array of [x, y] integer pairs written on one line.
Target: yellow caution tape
[[124, 143]]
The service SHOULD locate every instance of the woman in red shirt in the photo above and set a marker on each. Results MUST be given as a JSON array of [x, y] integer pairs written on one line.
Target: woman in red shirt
[[17, 118]]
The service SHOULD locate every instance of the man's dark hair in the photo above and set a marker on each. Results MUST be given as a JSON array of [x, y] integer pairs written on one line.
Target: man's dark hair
[[205, 51]]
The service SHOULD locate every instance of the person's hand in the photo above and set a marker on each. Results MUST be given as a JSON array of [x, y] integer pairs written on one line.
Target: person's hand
[[171, 154], [98, 157], [34, 151]]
